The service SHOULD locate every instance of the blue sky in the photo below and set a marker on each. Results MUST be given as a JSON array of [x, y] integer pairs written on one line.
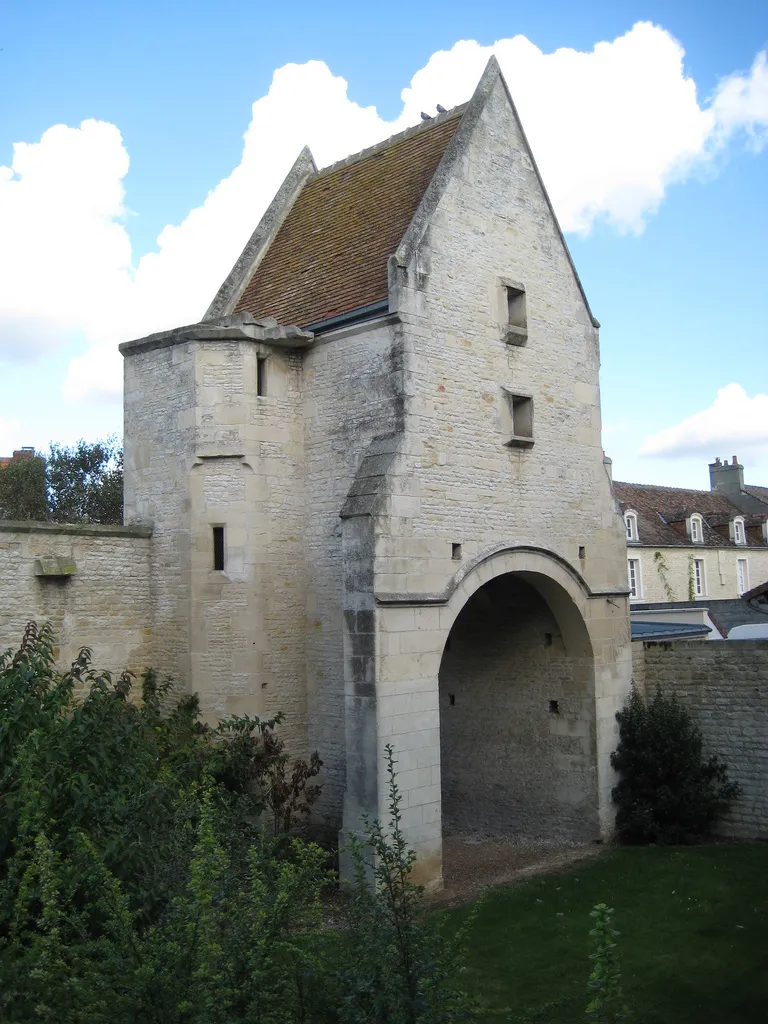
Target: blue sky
[[655, 159]]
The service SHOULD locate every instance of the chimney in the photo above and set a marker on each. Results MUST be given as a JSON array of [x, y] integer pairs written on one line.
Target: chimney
[[727, 478]]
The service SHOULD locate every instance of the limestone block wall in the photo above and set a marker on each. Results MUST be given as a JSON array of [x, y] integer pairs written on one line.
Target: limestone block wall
[[517, 718], [725, 687], [104, 605], [675, 565], [352, 381], [459, 482], [158, 404], [247, 477]]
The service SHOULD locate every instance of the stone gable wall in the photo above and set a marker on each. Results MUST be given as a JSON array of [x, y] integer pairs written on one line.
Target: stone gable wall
[[725, 688], [104, 605]]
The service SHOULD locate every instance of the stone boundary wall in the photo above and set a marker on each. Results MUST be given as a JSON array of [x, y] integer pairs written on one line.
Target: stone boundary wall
[[90, 582], [725, 687]]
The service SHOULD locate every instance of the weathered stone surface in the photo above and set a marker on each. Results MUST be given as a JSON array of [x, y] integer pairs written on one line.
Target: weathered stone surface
[[104, 605], [725, 688]]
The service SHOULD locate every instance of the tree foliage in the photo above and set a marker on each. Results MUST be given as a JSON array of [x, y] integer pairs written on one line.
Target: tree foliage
[[668, 792], [152, 870], [78, 484]]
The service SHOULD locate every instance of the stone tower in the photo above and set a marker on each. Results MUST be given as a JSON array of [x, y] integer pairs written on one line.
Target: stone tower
[[379, 498]]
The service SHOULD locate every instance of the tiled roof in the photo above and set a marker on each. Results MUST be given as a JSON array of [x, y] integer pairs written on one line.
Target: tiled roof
[[662, 511], [330, 253], [758, 492]]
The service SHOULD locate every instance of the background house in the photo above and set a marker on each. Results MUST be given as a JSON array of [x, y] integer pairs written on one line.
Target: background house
[[691, 554]]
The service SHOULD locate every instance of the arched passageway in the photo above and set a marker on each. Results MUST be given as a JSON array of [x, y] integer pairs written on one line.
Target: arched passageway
[[517, 714]]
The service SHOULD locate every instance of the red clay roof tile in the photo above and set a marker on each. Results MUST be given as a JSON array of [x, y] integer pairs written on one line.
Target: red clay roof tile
[[330, 253]]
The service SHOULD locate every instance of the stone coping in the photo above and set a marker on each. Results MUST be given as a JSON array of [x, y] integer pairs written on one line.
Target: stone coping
[[73, 529]]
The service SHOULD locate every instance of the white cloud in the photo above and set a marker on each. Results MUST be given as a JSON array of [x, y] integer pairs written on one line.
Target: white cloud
[[733, 422], [611, 130]]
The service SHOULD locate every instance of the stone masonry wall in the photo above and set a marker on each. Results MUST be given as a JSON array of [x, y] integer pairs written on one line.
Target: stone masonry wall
[[511, 759], [725, 687], [352, 383], [105, 605]]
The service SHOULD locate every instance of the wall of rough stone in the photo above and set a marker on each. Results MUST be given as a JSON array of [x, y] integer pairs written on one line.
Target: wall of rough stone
[[456, 481], [720, 571], [725, 687], [104, 605], [204, 449], [517, 716], [352, 382]]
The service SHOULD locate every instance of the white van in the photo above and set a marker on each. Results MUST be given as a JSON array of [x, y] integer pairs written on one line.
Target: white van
[[753, 631]]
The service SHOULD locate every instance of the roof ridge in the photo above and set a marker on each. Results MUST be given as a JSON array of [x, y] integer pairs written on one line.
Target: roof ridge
[[665, 487], [414, 129]]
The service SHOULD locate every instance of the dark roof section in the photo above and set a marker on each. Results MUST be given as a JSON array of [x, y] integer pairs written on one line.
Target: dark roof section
[[662, 511], [761, 493], [725, 613], [644, 630], [330, 254]]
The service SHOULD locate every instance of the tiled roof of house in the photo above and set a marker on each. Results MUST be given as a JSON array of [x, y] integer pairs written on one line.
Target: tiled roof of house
[[330, 254], [758, 492], [662, 511]]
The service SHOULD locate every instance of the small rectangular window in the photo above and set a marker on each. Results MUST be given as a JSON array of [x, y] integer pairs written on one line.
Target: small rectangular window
[[696, 530], [218, 548], [516, 312], [743, 577], [738, 531], [633, 567], [261, 376], [699, 580], [520, 419], [517, 315]]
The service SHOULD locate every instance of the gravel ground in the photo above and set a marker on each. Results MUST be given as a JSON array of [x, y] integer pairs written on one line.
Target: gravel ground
[[471, 862]]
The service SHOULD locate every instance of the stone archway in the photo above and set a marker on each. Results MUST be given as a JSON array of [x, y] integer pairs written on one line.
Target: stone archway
[[517, 714], [393, 695]]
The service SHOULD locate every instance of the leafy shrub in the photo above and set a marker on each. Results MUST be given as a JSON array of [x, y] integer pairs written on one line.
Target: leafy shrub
[[79, 757], [144, 878], [606, 997], [402, 970], [667, 791]]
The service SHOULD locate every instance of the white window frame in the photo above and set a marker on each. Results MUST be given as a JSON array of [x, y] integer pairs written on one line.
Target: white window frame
[[742, 576], [739, 531], [638, 579], [630, 524], [696, 527], [699, 578]]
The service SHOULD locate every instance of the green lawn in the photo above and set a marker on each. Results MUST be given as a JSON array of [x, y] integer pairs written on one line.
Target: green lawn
[[694, 938]]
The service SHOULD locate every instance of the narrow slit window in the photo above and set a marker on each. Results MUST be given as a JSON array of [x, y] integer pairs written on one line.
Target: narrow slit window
[[261, 376], [218, 548]]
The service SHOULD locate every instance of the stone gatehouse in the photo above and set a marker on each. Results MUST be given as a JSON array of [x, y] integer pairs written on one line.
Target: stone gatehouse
[[377, 494]]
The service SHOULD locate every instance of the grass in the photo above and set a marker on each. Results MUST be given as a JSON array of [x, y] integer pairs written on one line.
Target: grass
[[694, 938]]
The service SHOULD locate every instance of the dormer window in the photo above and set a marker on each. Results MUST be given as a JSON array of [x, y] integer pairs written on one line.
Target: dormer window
[[630, 522], [696, 528], [738, 531]]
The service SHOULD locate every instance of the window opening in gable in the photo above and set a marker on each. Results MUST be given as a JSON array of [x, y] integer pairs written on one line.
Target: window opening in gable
[[519, 419], [516, 328], [261, 376]]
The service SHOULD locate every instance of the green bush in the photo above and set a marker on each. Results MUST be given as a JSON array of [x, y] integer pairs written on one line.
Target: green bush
[[667, 791], [146, 876], [79, 757]]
